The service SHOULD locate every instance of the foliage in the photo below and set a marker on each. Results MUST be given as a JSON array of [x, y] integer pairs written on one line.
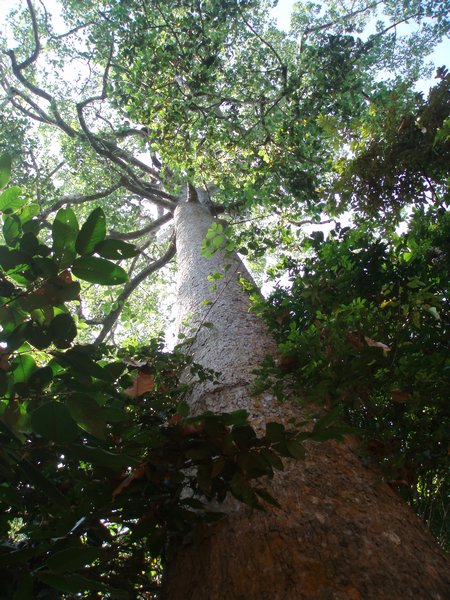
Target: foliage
[[100, 460], [364, 325], [402, 157], [281, 131]]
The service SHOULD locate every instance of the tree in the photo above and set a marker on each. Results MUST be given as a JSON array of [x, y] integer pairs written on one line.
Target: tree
[[224, 99]]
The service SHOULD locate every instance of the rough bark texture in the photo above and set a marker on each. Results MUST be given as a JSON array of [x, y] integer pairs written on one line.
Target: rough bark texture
[[341, 534]]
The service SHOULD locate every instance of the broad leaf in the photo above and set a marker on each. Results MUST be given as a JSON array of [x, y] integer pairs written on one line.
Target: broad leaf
[[82, 363], [92, 232], [63, 330], [53, 421], [99, 270], [11, 230], [88, 414], [71, 583], [116, 249], [5, 169], [11, 199], [71, 559], [64, 234]]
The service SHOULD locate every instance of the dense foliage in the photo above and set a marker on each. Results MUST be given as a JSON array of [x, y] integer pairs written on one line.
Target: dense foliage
[[100, 461], [278, 132], [364, 325]]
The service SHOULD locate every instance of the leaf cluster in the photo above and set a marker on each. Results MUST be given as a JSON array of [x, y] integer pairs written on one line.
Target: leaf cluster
[[365, 326], [100, 460]]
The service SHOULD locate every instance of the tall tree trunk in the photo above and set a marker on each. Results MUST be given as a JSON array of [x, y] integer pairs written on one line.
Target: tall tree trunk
[[341, 533]]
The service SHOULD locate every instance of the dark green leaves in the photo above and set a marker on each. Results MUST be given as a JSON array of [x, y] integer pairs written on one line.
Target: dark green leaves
[[80, 361], [99, 270], [53, 421], [92, 232], [71, 559], [62, 330], [71, 583], [116, 249]]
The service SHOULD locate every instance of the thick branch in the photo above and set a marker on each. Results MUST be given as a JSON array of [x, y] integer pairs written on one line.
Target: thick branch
[[129, 288], [37, 45], [133, 235]]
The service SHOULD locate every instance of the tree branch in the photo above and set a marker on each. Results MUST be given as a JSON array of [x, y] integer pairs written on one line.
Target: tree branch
[[129, 288], [133, 235], [79, 199]]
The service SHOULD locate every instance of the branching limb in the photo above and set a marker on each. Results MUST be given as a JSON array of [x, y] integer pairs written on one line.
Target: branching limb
[[129, 288], [80, 199], [134, 235], [347, 17]]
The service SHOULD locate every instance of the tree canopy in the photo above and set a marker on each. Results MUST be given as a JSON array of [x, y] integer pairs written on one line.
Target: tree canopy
[[331, 171]]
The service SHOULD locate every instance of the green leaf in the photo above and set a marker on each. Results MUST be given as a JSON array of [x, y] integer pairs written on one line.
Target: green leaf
[[92, 232], [244, 436], [88, 414], [71, 559], [29, 473], [24, 590], [99, 270], [64, 234], [264, 494], [41, 378], [5, 168], [11, 200], [71, 583], [81, 362], [295, 449], [63, 330], [183, 408], [273, 459], [11, 259], [116, 249], [28, 212], [102, 458], [38, 336], [11, 230], [237, 417], [53, 421], [275, 432], [254, 464], [22, 367], [29, 243]]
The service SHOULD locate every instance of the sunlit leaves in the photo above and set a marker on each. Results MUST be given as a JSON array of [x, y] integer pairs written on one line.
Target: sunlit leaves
[[5, 169], [11, 200]]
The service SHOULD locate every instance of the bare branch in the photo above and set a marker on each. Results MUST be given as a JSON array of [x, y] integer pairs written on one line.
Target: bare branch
[[37, 45], [133, 235], [79, 199], [55, 170], [129, 288]]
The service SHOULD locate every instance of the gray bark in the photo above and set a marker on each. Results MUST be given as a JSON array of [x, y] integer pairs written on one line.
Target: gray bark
[[234, 342], [341, 533]]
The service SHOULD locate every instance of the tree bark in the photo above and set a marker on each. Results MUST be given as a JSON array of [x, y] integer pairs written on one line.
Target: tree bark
[[341, 533]]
